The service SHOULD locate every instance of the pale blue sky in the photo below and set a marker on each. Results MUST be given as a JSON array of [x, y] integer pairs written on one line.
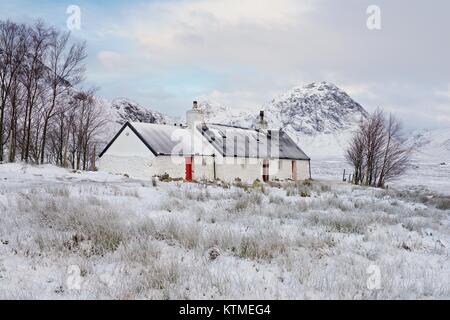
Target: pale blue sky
[[242, 53]]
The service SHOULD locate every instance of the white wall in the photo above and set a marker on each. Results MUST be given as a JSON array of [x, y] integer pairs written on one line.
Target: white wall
[[284, 171], [203, 168], [280, 172], [128, 155], [303, 169], [147, 167], [175, 167], [248, 170], [230, 168], [128, 144]]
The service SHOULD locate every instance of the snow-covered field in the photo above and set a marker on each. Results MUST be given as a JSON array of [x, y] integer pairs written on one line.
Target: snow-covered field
[[424, 174], [69, 235]]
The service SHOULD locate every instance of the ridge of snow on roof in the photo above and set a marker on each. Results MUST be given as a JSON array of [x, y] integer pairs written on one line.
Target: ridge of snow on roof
[[171, 140]]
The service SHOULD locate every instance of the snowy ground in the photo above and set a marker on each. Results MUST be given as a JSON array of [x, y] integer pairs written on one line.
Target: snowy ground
[[425, 173], [66, 235]]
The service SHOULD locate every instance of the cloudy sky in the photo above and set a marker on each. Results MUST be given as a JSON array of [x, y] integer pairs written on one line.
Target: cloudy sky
[[242, 53]]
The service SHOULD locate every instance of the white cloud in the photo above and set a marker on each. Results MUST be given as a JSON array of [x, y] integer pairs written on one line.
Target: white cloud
[[359, 90], [110, 59], [445, 93], [213, 30], [252, 50], [235, 99]]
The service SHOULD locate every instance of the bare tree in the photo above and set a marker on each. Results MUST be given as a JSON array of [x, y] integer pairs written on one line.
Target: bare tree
[[87, 124], [373, 133], [43, 114], [33, 79], [15, 111], [376, 151], [62, 124], [355, 155], [65, 70], [12, 50], [396, 156]]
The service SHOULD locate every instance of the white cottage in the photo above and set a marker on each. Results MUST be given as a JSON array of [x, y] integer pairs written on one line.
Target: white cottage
[[205, 151]]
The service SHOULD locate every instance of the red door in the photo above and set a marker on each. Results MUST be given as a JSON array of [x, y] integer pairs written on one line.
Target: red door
[[189, 168], [266, 170], [294, 170]]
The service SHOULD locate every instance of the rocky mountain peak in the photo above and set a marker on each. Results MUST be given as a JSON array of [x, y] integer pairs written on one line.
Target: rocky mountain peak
[[315, 108], [128, 110]]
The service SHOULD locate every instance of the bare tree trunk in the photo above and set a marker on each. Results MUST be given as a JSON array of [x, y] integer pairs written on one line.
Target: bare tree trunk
[[24, 134], [13, 124], [380, 183], [28, 134], [61, 149], [2, 117], [94, 156], [44, 139]]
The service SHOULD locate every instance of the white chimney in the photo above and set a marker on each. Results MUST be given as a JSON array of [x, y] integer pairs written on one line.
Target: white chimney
[[261, 123], [194, 116]]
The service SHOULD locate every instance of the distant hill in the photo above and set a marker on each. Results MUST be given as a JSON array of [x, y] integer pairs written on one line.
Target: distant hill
[[121, 110], [431, 145]]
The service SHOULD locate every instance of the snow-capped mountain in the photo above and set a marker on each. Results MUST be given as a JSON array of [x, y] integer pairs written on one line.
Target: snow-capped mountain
[[314, 109], [319, 116], [127, 110], [431, 144]]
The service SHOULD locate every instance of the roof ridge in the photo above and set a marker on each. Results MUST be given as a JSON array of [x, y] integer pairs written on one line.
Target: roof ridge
[[240, 127], [182, 126]]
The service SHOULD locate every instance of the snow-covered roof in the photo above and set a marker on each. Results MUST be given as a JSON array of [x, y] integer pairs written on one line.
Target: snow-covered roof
[[244, 142], [163, 139], [229, 141], [171, 140]]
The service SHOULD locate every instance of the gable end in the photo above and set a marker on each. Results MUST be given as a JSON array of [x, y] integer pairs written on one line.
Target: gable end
[[135, 132]]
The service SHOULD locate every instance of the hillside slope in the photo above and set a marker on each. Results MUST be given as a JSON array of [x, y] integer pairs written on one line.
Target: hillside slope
[[431, 145], [121, 110]]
